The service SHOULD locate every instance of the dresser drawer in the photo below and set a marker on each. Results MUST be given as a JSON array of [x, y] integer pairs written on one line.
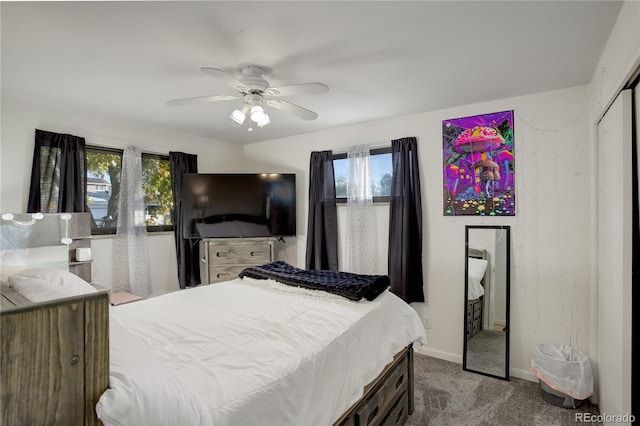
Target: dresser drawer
[[252, 254], [219, 273], [377, 407]]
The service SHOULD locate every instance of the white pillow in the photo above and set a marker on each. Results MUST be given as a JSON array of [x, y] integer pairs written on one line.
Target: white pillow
[[41, 285], [142, 390], [476, 270]]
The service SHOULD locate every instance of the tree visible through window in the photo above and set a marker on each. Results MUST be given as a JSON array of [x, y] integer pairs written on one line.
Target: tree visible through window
[[104, 167], [381, 175], [156, 184]]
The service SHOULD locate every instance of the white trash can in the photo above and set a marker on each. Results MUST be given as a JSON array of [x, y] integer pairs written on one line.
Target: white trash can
[[565, 375]]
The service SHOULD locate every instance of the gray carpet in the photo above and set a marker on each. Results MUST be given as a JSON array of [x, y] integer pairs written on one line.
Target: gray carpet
[[447, 395], [486, 352]]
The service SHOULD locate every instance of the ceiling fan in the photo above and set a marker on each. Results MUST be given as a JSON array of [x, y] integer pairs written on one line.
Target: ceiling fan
[[256, 92]]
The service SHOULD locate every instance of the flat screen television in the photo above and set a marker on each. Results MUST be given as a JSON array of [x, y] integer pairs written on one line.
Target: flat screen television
[[239, 205]]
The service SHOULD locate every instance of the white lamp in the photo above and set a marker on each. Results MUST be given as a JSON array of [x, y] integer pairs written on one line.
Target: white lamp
[[264, 122], [257, 114], [239, 115]]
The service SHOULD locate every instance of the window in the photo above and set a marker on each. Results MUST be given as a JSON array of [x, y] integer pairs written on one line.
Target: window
[[381, 174], [104, 167]]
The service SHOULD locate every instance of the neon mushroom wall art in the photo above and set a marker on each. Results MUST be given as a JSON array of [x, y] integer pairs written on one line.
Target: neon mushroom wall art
[[478, 165]]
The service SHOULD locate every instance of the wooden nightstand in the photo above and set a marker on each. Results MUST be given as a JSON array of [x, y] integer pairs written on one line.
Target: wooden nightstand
[[122, 297]]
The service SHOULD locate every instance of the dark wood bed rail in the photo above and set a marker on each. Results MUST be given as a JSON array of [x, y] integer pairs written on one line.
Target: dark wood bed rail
[[388, 400], [54, 359]]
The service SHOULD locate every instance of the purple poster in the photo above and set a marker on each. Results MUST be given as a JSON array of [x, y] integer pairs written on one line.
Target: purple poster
[[478, 165]]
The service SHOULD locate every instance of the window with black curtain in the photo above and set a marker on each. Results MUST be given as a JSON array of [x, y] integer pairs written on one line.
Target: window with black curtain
[[57, 174]]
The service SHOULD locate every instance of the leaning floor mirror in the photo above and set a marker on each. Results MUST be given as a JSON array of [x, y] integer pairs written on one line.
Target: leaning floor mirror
[[486, 304]]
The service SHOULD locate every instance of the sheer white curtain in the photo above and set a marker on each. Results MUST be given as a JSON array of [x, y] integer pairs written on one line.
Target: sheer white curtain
[[361, 238], [131, 255]]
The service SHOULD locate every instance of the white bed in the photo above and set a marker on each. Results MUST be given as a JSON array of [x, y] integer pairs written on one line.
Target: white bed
[[240, 352], [248, 352]]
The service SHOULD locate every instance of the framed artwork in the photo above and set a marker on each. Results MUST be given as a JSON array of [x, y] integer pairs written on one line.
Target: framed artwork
[[478, 165]]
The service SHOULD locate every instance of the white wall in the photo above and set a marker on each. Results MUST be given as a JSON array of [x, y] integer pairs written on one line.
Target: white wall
[[19, 121], [551, 233]]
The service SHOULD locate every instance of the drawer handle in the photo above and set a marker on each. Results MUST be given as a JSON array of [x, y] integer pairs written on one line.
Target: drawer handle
[[400, 381], [372, 415], [256, 253], [222, 254], [399, 416], [223, 275]]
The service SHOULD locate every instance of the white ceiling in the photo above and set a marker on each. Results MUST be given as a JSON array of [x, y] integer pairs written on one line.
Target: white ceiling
[[380, 59]]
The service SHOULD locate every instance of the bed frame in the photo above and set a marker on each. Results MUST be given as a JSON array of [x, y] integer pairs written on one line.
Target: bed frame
[[388, 400], [55, 365]]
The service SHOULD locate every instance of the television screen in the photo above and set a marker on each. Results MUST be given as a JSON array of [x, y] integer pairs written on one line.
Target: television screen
[[239, 205]]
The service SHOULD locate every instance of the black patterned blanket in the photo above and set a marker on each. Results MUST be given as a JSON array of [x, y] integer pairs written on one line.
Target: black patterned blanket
[[345, 284]]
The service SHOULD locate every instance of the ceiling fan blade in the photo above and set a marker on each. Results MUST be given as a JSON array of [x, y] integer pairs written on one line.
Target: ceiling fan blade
[[294, 109], [199, 99], [297, 89], [227, 78]]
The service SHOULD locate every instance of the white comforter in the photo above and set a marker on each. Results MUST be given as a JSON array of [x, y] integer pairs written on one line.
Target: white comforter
[[248, 352]]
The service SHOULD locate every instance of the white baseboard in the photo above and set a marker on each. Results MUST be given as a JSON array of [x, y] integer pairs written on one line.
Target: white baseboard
[[424, 350], [523, 374], [514, 372]]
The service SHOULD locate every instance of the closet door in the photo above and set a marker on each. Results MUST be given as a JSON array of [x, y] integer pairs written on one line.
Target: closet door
[[635, 309], [615, 256]]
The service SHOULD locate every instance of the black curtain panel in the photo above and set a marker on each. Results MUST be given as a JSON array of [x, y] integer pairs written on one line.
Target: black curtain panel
[[322, 228], [58, 174], [187, 251], [405, 222]]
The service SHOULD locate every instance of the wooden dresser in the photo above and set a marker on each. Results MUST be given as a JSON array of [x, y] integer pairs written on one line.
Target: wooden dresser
[[225, 258]]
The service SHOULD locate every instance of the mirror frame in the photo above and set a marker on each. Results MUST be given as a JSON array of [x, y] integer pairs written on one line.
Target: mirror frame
[[506, 375]]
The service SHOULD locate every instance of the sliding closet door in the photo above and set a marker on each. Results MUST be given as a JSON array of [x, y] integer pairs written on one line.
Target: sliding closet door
[[615, 256]]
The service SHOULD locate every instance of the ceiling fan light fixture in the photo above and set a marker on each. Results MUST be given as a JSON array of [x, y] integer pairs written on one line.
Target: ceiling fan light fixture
[[264, 122], [257, 113], [238, 116]]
